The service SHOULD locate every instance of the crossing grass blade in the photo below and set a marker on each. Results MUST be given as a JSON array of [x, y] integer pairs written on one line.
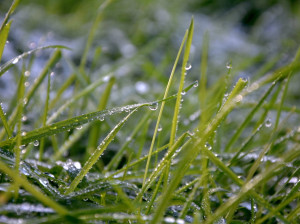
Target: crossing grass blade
[[97, 153]]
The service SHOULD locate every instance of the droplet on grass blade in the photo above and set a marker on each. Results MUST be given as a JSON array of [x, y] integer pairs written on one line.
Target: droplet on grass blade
[[15, 61], [188, 66], [196, 84], [208, 146], [228, 65], [268, 123], [79, 127], [36, 143], [153, 106]]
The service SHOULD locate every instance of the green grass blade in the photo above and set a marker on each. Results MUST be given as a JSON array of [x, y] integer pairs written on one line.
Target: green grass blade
[[95, 129], [42, 143], [97, 153], [181, 84], [114, 162], [4, 121], [162, 107], [3, 37], [59, 92], [9, 13]]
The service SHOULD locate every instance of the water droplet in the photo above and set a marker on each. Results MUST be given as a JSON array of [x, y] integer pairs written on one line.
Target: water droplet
[[23, 133], [196, 84], [27, 73], [15, 61], [228, 65], [239, 98], [52, 74], [188, 66], [169, 220], [106, 78], [153, 106], [24, 118], [25, 101], [101, 119], [208, 146], [268, 123], [183, 93], [26, 84], [127, 109], [21, 147], [36, 143], [79, 127], [159, 128]]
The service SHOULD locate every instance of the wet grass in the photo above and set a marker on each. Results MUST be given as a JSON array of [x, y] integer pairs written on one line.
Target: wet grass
[[196, 154]]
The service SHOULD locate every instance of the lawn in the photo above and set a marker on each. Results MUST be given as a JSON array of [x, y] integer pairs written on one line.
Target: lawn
[[149, 112]]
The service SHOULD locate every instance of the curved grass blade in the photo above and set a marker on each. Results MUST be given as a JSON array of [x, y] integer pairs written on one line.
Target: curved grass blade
[[97, 153], [77, 121], [12, 62]]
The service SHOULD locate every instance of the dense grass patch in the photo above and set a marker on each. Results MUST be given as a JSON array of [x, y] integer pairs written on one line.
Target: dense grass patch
[[83, 144]]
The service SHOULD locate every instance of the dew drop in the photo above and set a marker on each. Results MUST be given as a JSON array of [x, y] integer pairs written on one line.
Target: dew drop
[[196, 84], [79, 127], [36, 143], [26, 84], [153, 106], [24, 118], [183, 93], [159, 128], [15, 61], [25, 101], [268, 123], [101, 119], [228, 65], [27, 73], [127, 109], [208, 146], [23, 133], [188, 66]]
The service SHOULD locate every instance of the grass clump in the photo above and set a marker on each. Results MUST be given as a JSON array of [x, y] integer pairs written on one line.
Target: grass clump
[[202, 153]]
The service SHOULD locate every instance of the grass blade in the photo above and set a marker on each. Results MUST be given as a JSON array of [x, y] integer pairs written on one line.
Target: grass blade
[[3, 37], [97, 153]]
